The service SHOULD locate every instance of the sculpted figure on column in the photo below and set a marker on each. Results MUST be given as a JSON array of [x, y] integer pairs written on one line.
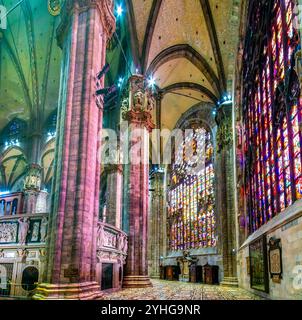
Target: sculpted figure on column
[[23, 230]]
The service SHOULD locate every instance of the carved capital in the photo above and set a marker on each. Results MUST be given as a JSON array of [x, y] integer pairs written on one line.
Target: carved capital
[[104, 7], [140, 103], [224, 134]]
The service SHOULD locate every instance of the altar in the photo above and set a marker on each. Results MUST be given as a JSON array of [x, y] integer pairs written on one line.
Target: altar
[[185, 262]]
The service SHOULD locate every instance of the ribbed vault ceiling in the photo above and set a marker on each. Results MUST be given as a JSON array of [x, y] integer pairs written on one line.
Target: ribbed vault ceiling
[[29, 63], [188, 46]]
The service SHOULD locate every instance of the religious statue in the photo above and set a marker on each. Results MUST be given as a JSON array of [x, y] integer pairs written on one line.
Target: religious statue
[[125, 249], [120, 242], [125, 105], [43, 230], [138, 101], [35, 232], [184, 263], [23, 230], [100, 236]]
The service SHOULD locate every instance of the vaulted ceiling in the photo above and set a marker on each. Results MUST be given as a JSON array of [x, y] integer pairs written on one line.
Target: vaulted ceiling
[[29, 62], [188, 46]]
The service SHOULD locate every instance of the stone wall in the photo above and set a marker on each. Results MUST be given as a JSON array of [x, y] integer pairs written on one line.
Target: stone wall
[[287, 226]]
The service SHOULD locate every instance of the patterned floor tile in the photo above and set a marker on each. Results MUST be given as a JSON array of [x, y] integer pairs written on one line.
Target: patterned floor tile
[[168, 290]]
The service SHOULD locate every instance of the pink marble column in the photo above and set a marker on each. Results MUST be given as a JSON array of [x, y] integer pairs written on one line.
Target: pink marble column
[[71, 255], [139, 118]]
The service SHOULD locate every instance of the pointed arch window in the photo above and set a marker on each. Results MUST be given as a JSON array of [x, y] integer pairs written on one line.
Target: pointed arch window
[[272, 111], [191, 199]]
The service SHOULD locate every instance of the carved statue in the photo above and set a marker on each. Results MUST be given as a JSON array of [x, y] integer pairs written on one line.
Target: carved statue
[[43, 230], [120, 242], [22, 253], [100, 236], [138, 101], [125, 105], [125, 249], [23, 230]]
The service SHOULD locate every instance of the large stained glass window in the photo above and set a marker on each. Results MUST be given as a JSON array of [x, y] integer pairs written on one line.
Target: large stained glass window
[[191, 196], [272, 111]]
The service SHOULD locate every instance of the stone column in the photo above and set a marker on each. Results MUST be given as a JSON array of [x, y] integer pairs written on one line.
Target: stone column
[[114, 191], [157, 224], [70, 268], [226, 200], [159, 142], [139, 119], [35, 146]]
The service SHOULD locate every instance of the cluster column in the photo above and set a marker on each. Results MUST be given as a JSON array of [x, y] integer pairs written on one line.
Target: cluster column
[[140, 124], [71, 253], [157, 224], [226, 199]]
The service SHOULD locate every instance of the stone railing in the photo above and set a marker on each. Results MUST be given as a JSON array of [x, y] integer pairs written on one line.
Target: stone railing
[[23, 229], [112, 243]]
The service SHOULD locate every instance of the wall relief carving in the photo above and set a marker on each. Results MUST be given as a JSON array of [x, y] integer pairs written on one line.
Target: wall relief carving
[[8, 232]]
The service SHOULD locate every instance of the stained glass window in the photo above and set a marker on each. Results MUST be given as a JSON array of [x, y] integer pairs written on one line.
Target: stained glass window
[[272, 111], [191, 196]]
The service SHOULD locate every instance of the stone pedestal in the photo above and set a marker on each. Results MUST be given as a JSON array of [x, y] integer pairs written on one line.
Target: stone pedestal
[[71, 250], [72, 291], [140, 123]]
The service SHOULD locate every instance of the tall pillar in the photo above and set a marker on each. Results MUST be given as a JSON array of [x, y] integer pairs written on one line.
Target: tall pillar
[[139, 119], [35, 200], [71, 253], [35, 146], [159, 142], [226, 200], [114, 192], [157, 224]]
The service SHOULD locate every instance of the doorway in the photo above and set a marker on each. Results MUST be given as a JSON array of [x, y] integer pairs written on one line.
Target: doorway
[[107, 276]]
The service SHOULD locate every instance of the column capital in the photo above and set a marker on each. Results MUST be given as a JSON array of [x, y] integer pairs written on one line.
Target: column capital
[[140, 104], [224, 111], [71, 7]]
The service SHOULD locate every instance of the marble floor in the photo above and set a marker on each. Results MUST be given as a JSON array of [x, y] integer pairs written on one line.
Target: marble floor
[[171, 290]]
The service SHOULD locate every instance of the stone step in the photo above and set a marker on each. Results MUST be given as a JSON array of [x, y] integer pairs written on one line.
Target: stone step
[[229, 282]]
